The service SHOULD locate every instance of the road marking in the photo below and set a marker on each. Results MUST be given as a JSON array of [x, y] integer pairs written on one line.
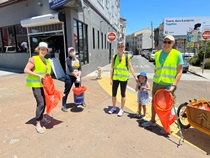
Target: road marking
[[131, 104]]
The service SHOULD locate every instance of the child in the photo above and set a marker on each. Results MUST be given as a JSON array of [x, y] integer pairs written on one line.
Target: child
[[142, 87]]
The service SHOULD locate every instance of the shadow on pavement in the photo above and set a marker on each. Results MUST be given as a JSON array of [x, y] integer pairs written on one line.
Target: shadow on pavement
[[197, 138], [51, 124], [74, 107]]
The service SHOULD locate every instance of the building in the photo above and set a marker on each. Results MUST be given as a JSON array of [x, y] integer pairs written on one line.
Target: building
[[140, 40], [61, 23]]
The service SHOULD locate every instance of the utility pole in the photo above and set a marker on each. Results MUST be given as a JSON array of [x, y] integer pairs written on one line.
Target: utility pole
[[152, 35]]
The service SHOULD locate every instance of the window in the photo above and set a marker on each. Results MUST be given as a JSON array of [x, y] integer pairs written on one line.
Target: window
[[105, 41], [98, 41], [93, 38], [102, 41], [81, 42], [11, 39]]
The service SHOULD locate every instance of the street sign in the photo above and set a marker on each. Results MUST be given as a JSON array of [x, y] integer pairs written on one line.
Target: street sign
[[206, 35], [111, 36]]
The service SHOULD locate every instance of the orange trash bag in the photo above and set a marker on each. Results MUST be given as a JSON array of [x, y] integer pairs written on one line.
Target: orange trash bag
[[79, 90], [163, 105], [52, 96]]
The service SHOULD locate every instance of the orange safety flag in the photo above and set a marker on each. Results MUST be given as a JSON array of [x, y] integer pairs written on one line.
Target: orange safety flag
[[163, 105], [79, 90], [52, 96]]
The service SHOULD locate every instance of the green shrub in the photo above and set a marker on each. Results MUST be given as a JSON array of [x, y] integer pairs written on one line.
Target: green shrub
[[195, 61], [207, 63]]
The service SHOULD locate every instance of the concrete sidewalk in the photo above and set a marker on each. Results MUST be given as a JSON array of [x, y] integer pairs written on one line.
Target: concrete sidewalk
[[81, 132]]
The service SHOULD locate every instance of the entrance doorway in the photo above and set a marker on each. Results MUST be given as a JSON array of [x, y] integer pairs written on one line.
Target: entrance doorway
[[55, 44]]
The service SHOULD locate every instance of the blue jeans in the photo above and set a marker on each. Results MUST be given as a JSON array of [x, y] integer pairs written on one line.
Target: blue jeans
[[69, 80]]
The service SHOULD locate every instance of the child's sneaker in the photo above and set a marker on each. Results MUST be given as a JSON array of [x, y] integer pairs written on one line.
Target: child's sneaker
[[120, 113], [112, 110]]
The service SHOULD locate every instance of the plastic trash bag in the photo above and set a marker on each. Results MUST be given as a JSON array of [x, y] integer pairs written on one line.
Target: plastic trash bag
[[52, 96], [79, 90]]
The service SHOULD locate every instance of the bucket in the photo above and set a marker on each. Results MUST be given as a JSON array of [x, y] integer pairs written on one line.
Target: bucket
[[79, 98]]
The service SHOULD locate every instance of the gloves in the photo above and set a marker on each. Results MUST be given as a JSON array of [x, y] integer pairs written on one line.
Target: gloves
[[78, 79]]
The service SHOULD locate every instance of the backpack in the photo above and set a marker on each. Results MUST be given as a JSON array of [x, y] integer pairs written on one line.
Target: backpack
[[126, 59]]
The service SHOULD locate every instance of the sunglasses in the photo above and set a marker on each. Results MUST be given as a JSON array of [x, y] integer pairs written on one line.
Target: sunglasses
[[167, 42]]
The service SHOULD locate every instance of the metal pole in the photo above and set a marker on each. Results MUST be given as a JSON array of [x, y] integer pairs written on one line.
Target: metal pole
[[152, 35], [204, 56]]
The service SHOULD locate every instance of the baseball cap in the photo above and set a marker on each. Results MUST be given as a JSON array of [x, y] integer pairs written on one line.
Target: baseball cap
[[70, 48], [43, 45], [142, 74], [120, 43], [170, 37]]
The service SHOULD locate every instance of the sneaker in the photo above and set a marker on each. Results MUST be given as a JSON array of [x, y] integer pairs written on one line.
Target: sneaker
[[64, 109], [148, 124], [112, 110], [40, 129], [142, 117], [84, 105], [120, 113], [162, 131]]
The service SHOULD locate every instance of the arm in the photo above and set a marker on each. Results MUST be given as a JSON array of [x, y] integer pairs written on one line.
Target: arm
[[111, 71], [137, 87], [132, 70], [29, 68], [177, 79]]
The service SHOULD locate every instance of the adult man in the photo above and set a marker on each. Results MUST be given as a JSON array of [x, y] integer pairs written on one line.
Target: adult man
[[119, 74], [168, 71]]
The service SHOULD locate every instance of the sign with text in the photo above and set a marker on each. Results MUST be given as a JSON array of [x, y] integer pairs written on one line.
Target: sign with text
[[181, 26], [111, 36], [206, 35], [57, 3]]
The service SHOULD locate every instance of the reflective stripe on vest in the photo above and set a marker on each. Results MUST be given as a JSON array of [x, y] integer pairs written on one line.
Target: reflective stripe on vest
[[166, 73], [40, 68], [121, 72]]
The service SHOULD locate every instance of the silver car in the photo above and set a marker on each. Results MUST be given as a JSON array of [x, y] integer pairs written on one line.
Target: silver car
[[151, 56]]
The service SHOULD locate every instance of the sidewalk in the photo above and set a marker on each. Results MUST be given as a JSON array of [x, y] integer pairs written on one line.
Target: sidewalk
[[81, 132], [198, 71]]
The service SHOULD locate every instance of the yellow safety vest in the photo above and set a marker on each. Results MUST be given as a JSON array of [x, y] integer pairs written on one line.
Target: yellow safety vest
[[40, 68], [121, 72], [166, 73]]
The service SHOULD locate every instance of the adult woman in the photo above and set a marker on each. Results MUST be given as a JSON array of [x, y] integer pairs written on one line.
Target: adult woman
[[73, 75], [119, 74], [36, 68]]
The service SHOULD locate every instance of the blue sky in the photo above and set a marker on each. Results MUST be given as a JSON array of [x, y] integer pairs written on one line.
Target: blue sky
[[140, 13]]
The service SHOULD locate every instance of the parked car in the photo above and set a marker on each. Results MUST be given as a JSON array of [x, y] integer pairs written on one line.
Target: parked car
[[129, 53], [11, 49], [151, 55], [145, 52], [185, 66]]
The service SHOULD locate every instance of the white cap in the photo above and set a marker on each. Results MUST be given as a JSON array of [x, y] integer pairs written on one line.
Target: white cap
[[70, 48], [43, 45], [170, 37]]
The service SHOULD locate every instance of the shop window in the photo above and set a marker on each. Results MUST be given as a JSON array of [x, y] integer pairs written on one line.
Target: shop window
[[102, 41], [81, 41], [1, 45], [98, 41], [21, 36], [93, 38]]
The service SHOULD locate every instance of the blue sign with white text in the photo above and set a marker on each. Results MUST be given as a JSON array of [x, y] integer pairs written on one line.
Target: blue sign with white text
[[57, 3]]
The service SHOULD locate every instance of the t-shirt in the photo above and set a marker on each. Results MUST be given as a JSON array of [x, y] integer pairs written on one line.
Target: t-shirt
[[164, 55]]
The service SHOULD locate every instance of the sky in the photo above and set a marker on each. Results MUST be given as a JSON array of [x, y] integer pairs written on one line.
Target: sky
[[139, 14]]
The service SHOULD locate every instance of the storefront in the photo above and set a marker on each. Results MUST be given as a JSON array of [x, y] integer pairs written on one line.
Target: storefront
[[60, 23]]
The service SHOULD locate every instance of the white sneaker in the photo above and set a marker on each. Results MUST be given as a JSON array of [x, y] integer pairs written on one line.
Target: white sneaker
[[112, 110], [148, 124], [120, 113]]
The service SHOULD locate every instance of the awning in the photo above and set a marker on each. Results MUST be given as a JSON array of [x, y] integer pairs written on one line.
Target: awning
[[46, 19]]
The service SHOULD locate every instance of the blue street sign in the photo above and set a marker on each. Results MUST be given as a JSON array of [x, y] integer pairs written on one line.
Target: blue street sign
[[57, 3]]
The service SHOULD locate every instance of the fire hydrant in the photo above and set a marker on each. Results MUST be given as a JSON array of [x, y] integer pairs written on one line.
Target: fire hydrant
[[99, 72]]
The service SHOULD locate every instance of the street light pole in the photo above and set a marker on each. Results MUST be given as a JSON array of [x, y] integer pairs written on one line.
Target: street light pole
[[152, 35]]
